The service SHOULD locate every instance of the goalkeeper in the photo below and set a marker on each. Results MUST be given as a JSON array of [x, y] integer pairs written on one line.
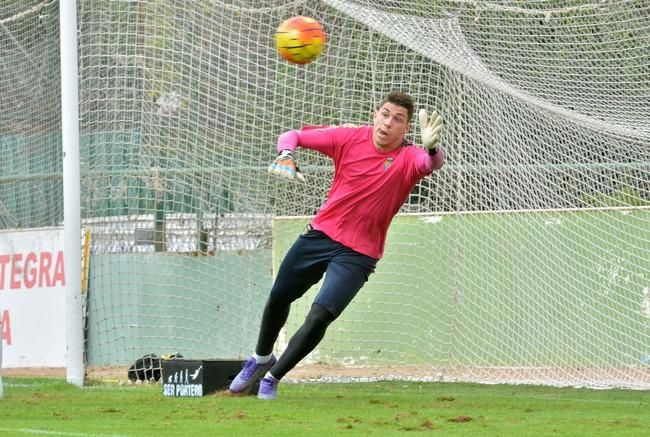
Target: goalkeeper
[[375, 170]]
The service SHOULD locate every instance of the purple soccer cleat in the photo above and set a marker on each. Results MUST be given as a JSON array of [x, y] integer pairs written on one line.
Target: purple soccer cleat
[[250, 374], [268, 389]]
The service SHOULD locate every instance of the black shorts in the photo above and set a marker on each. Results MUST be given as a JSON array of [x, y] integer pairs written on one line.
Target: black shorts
[[314, 254]]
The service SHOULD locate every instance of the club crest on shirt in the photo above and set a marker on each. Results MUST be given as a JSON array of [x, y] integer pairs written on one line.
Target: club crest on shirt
[[388, 163]]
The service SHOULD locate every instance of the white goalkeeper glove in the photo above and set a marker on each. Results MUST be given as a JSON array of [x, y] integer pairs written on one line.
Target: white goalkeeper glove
[[430, 129], [285, 167]]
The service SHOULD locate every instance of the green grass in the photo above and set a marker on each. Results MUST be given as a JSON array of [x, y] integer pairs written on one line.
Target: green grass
[[40, 406]]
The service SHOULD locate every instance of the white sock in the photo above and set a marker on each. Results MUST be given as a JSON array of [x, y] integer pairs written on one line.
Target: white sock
[[268, 375], [262, 359]]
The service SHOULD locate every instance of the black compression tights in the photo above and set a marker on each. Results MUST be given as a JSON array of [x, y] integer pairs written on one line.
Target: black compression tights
[[303, 341]]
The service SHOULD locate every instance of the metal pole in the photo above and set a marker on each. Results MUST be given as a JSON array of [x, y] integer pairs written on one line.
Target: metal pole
[[71, 191]]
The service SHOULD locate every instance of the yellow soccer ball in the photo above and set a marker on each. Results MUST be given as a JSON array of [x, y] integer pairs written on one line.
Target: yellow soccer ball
[[300, 39]]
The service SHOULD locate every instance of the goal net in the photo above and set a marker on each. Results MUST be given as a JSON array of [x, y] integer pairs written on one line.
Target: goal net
[[524, 260]]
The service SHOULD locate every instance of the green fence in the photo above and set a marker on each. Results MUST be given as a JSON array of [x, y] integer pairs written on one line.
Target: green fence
[[117, 178], [200, 306], [516, 289]]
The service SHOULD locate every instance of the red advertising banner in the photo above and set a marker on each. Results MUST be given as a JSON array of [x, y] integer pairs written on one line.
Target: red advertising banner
[[32, 298]]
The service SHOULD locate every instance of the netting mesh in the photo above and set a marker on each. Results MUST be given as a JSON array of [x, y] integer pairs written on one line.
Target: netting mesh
[[30, 168], [525, 259]]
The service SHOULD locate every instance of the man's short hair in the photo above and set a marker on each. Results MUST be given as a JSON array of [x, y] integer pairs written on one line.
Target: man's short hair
[[402, 99]]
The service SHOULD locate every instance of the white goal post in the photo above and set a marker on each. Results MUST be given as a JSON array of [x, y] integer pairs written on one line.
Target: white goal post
[[524, 260], [75, 370]]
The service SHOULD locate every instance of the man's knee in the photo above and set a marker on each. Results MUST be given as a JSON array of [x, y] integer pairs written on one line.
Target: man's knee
[[275, 304], [319, 317]]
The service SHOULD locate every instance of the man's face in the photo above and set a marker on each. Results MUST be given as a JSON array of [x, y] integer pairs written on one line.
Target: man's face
[[390, 125]]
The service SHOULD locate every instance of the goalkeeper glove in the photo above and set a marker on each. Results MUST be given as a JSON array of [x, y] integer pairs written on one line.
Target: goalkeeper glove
[[285, 167], [430, 129]]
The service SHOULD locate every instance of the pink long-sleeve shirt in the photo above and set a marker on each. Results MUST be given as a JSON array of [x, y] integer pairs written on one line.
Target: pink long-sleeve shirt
[[369, 186]]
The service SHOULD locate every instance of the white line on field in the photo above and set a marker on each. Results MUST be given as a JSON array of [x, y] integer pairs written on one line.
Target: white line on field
[[48, 432]]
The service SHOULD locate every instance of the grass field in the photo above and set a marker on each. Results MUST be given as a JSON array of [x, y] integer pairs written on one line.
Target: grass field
[[50, 406]]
